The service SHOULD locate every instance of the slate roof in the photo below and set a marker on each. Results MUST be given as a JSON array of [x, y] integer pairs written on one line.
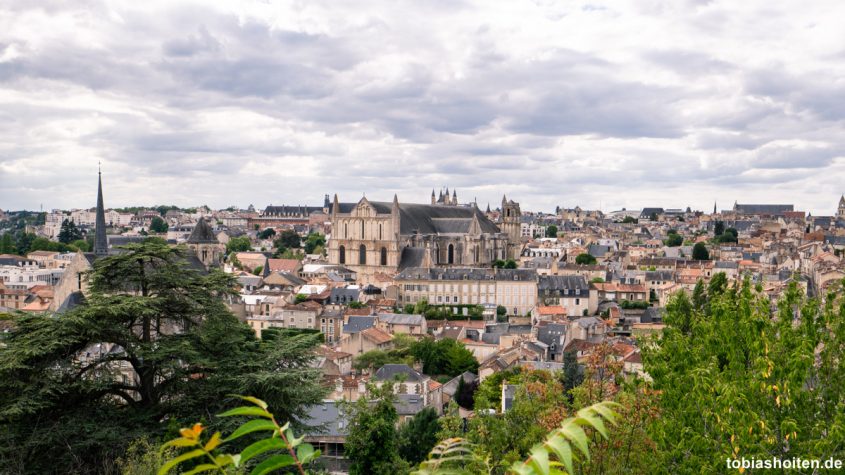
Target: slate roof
[[202, 233], [411, 257], [340, 296], [762, 209], [294, 211], [356, 324], [390, 371], [467, 273], [576, 285], [401, 318], [431, 219], [326, 419], [647, 212]]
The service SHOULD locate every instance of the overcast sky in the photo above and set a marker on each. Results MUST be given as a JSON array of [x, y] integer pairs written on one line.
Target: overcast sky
[[612, 104]]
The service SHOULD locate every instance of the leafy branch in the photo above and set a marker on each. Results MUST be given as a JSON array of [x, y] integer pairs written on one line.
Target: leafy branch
[[282, 439]]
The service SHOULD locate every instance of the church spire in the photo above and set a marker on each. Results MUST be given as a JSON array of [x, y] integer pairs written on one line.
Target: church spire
[[101, 243]]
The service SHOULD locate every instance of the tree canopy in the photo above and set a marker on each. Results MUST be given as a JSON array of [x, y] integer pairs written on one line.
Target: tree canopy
[[153, 344], [585, 259]]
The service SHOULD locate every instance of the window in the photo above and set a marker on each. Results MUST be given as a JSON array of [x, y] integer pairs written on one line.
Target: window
[[362, 229], [380, 226], [362, 253], [345, 230], [450, 259], [383, 253], [341, 255]]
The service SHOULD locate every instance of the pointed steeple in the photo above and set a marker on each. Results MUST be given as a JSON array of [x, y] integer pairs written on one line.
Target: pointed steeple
[[714, 207], [101, 243]]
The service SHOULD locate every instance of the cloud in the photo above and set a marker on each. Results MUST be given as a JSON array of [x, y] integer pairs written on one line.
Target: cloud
[[553, 103]]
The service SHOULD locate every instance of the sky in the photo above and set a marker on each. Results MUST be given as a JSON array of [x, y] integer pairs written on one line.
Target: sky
[[599, 104]]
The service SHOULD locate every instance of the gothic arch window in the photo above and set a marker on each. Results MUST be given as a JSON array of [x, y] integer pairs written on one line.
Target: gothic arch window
[[362, 229], [450, 254], [342, 255], [380, 226], [345, 230], [362, 255], [477, 255], [384, 256], [204, 254]]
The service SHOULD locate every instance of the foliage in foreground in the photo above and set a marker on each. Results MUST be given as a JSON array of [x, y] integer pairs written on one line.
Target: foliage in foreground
[[205, 455], [554, 455]]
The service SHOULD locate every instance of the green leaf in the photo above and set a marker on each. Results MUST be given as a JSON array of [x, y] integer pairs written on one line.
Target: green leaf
[[305, 453], [256, 401], [273, 463], [560, 446], [186, 456], [258, 448], [576, 434], [292, 440], [250, 427], [246, 411], [201, 468], [180, 442], [540, 459]]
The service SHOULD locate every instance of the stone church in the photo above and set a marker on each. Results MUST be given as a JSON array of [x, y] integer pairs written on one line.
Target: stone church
[[374, 236]]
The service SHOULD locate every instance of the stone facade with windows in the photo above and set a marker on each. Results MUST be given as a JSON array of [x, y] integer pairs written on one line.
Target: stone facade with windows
[[373, 237], [514, 289]]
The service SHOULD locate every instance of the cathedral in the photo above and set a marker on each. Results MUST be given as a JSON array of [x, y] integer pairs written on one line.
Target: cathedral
[[375, 236]]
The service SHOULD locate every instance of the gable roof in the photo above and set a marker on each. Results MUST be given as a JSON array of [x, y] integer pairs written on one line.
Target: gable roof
[[390, 371], [202, 233]]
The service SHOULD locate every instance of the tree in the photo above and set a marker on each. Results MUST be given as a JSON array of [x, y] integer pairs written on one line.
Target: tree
[[718, 228], [82, 245], [267, 233], [585, 259], [69, 232], [742, 379], [572, 375], [446, 356], [699, 296], [258, 270], [7, 244], [238, 244], [630, 220], [288, 239], [510, 264], [158, 225], [314, 241], [371, 443], [673, 239], [700, 253], [551, 231], [596, 280], [418, 436], [465, 393], [164, 326]]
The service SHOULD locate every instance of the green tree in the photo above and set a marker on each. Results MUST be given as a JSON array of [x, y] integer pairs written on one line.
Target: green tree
[[700, 253], [267, 233], [153, 343], [82, 245], [718, 228], [741, 379], [673, 239], [7, 244], [630, 220], [69, 232], [418, 436], [572, 375], [585, 259], [238, 244], [314, 241], [372, 442], [699, 296], [510, 264], [288, 239], [551, 231], [158, 225]]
